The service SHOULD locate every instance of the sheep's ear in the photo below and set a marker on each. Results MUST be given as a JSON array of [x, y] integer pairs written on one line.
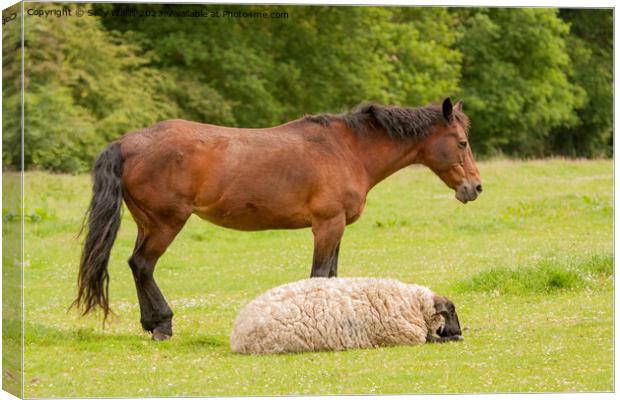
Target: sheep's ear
[[440, 304]]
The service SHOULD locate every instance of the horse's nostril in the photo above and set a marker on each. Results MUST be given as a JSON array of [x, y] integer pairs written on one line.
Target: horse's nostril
[[479, 188]]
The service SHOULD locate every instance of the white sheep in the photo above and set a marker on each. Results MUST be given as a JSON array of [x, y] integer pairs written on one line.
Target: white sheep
[[343, 313]]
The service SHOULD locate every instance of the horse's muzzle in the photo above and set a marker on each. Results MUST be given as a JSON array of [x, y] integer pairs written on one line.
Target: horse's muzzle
[[468, 192]]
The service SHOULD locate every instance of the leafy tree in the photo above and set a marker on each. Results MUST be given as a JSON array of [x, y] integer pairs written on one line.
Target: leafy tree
[[321, 59], [516, 78], [84, 87], [11, 88], [535, 81], [591, 51]]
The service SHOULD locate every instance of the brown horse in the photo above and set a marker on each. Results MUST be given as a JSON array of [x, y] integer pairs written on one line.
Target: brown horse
[[312, 172]]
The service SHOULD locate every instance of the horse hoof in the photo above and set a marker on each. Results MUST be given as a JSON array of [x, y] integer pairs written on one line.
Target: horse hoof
[[159, 336]]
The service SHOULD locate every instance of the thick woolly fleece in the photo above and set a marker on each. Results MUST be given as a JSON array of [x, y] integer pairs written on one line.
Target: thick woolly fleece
[[335, 314]]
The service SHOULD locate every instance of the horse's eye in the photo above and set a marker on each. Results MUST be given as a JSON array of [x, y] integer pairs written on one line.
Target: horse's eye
[[463, 144]]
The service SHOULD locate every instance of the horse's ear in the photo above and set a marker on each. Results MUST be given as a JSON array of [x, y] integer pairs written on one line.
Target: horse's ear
[[447, 109], [459, 105]]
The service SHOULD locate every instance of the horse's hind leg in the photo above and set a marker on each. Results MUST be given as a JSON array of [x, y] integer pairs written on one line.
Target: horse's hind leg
[[152, 242]]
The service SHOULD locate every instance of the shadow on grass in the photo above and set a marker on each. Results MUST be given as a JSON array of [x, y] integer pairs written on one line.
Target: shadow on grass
[[92, 339], [49, 335], [208, 341]]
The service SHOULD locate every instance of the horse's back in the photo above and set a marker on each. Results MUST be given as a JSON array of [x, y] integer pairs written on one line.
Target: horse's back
[[245, 179]]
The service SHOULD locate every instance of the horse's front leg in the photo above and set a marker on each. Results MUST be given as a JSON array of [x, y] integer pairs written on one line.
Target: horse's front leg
[[333, 272], [327, 234]]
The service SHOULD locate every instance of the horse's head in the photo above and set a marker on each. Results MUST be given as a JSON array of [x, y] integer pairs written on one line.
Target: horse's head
[[446, 152]]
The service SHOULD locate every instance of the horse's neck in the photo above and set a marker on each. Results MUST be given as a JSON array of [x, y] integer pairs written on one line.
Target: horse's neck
[[383, 156]]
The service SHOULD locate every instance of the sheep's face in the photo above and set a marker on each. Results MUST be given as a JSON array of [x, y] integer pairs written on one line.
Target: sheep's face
[[451, 326]]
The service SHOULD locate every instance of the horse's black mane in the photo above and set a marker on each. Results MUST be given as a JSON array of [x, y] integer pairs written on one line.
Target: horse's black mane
[[398, 122]]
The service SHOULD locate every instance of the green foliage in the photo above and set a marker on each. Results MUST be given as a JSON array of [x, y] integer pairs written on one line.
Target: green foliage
[[84, 87], [590, 48], [265, 72], [515, 80], [535, 82], [11, 89]]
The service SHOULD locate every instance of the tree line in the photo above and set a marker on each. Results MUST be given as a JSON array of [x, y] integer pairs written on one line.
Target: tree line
[[535, 82]]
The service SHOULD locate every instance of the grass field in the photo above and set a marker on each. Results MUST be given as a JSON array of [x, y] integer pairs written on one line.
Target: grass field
[[529, 266]]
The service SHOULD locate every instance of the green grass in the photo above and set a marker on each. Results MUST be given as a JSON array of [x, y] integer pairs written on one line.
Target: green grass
[[548, 276], [529, 266], [11, 285]]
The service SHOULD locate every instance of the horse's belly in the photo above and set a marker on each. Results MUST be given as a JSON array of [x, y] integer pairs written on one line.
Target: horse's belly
[[253, 217]]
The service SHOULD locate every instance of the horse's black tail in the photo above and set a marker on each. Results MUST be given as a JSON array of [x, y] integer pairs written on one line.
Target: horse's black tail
[[103, 218]]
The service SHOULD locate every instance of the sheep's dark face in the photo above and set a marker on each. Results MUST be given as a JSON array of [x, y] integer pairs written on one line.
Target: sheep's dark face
[[451, 327]]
